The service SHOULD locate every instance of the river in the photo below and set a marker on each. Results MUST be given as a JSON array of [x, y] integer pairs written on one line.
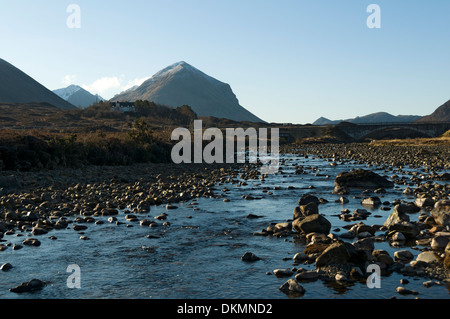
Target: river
[[198, 256]]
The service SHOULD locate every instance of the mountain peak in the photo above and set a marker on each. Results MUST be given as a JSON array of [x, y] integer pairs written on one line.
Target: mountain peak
[[178, 67], [182, 84], [78, 96]]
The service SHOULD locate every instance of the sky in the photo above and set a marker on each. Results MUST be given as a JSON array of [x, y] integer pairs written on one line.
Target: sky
[[287, 61]]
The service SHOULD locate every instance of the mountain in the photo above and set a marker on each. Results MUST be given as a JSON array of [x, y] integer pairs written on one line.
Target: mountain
[[182, 84], [324, 121], [18, 87], [78, 96], [441, 114], [379, 117]]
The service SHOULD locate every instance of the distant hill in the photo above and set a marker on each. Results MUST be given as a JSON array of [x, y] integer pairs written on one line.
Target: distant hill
[[379, 117], [441, 114], [182, 84], [18, 87], [78, 96]]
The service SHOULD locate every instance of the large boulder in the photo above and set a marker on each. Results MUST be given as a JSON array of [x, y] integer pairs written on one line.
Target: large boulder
[[30, 286], [307, 205], [408, 229], [441, 212], [360, 178], [292, 287], [397, 216], [440, 240], [336, 253], [308, 198], [312, 224]]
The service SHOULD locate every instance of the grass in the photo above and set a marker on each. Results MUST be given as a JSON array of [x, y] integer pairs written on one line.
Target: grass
[[443, 140]]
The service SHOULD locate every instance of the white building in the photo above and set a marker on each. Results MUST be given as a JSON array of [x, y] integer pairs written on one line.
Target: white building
[[123, 106]]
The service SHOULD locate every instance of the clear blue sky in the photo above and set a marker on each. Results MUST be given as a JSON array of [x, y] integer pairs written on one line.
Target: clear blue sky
[[286, 61]]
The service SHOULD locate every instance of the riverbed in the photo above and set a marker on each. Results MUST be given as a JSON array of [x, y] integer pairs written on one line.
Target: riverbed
[[195, 252]]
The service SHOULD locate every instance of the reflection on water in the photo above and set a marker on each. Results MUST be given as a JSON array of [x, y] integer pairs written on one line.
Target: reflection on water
[[199, 254]]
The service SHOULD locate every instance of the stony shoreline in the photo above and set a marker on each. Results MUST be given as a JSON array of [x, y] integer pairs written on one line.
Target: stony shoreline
[[37, 202], [345, 257]]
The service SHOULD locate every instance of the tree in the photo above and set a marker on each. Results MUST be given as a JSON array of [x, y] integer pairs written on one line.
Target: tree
[[141, 133]]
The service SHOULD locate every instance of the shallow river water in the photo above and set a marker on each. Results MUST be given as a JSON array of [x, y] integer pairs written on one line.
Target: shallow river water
[[199, 254]]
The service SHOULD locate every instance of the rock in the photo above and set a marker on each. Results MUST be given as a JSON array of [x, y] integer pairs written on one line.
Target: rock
[[371, 201], [315, 248], [112, 219], [447, 261], [31, 242], [307, 276], [30, 286], [360, 214], [253, 216], [336, 253], [377, 252], [12, 216], [427, 257], [424, 202], [404, 291], [396, 216], [406, 208], [398, 236], [170, 206], [339, 190], [317, 238], [409, 230], [312, 223], [31, 216], [362, 228], [79, 227], [309, 209], [6, 267], [109, 212], [283, 272], [361, 179], [145, 222], [308, 198], [430, 283], [365, 244], [163, 216], [282, 226], [403, 255], [348, 235], [407, 191], [340, 276], [356, 273], [38, 231], [297, 213], [292, 287], [440, 240], [385, 259], [300, 257], [441, 212], [249, 257], [131, 218]]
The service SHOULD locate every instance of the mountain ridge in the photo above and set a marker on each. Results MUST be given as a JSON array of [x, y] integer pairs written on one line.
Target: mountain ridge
[[441, 114], [78, 96], [377, 117], [18, 87]]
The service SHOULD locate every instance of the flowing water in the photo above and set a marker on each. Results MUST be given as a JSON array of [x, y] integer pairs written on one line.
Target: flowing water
[[199, 255]]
